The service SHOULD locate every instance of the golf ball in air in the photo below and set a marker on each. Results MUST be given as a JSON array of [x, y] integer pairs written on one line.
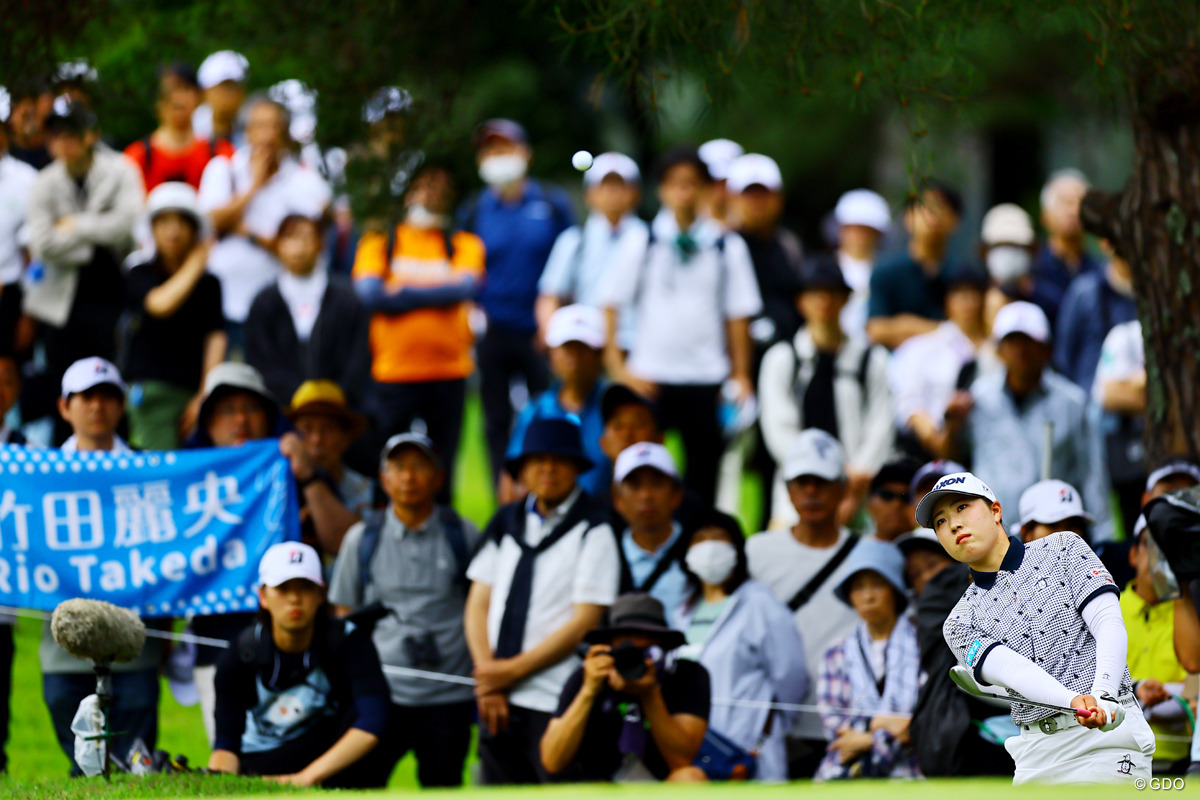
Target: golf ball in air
[[582, 161]]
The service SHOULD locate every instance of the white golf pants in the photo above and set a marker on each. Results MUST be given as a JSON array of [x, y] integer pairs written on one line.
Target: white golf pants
[[1083, 755]]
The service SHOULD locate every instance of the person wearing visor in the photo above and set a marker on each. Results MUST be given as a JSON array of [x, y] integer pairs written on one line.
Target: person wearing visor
[[301, 697], [1043, 621], [1048, 507], [630, 713]]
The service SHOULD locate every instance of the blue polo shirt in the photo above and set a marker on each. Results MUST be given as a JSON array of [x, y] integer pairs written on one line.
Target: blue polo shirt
[[518, 238], [591, 425], [901, 286]]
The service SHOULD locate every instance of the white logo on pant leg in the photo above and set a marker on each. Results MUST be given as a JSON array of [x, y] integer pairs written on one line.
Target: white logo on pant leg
[[1125, 765]]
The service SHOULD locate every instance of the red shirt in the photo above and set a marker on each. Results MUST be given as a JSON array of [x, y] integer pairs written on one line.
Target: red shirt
[[160, 165]]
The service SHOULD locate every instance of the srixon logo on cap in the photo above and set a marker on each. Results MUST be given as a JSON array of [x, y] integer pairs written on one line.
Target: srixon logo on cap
[[942, 484]]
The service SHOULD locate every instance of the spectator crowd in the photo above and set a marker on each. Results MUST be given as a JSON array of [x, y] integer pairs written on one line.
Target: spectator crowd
[[613, 621]]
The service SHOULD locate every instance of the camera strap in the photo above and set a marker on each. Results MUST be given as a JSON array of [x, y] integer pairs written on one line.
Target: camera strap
[[801, 598]]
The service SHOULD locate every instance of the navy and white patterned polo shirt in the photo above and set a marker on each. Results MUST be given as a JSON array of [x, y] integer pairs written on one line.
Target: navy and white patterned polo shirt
[[1033, 606]]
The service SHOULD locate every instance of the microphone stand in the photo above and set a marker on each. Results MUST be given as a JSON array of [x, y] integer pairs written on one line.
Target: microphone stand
[[104, 695]]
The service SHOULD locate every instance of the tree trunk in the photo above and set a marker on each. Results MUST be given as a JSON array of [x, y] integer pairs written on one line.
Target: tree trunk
[[1155, 223]]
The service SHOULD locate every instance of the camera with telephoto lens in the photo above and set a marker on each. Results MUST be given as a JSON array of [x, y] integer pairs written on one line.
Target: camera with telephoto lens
[[629, 661], [422, 650]]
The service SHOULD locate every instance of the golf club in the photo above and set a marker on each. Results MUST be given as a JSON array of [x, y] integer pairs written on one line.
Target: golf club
[[964, 680]]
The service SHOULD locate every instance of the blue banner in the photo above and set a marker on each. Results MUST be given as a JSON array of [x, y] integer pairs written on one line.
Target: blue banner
[[163, 533]]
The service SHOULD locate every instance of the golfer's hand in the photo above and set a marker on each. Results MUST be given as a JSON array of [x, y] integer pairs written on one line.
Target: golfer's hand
[[495, 676], [1096, 718], [493, 712], [597, 667]]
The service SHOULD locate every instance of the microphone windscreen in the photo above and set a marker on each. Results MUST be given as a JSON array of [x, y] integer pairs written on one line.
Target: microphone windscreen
[[97, 631]]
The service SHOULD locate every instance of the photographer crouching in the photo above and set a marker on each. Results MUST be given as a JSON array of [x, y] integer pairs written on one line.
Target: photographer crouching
[[631, 712]]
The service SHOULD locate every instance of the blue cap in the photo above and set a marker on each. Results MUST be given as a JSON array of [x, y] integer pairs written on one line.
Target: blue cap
[[881, 557]]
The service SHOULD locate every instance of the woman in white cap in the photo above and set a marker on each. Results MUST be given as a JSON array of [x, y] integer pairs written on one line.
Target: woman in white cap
[[178, 331], [1043, 621]]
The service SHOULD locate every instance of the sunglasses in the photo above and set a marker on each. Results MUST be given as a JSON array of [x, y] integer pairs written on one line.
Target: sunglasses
[[888, 496]]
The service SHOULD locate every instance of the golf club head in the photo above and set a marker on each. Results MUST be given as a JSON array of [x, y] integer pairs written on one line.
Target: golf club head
[[964, 680]]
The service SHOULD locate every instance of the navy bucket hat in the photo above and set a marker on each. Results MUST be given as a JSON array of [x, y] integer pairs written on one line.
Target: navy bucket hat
[[551, 436]]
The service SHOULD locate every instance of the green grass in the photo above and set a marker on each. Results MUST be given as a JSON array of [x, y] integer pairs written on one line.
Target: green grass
[[34, 754]]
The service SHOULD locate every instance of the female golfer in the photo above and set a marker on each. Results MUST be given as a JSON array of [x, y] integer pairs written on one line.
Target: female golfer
[[1043, 621]]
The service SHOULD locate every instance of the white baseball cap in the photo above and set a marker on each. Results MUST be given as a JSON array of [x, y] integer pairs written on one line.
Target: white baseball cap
[[815, 452], [87, 373], [644, 454], [577, 323], [221, 66], [1021, 317], [718, 155], [176, 196], [612, 163], [1173, 468], [963, 483], [1007, 223], [863, 207], [288, 560], [754, 169], [1049, 502]]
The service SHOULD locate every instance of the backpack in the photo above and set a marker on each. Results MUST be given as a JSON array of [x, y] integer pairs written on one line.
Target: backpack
[[456, 537]]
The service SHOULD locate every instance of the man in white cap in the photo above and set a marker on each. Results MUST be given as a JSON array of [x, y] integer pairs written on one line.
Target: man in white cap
[[576, 336], [647, 492], [1006, 248], [1049, 507], [301, 697], [92, 403], [179, 331], [222, 78], [1043, 621], [582, 254], [1004, 430], [863, 218], [718, 156], [804, 563], [755, 190], [410, 564]]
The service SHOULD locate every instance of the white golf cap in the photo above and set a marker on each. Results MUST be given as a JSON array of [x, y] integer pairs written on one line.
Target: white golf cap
[[179, 197], [863, 207], [1007, 223], [963, 483], [644, 454], [221, 66], [287, 561], [88, 373], [612, 163], [1021, 317], [718, 155], [754, 169], [1049, 502], [577, 323], [1172, 469], [815, 452]]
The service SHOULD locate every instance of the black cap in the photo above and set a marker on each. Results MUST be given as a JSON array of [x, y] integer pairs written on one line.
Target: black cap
[[617, 395], [822, 272], [899, 471], [72, 116]]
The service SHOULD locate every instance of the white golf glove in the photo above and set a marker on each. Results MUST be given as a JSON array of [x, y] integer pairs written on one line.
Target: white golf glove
[[1113, 710]]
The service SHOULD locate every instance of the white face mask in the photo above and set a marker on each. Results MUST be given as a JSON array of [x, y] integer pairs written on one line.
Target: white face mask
[[1008, 263], [503, 170], [712, 561], [421, 217]]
